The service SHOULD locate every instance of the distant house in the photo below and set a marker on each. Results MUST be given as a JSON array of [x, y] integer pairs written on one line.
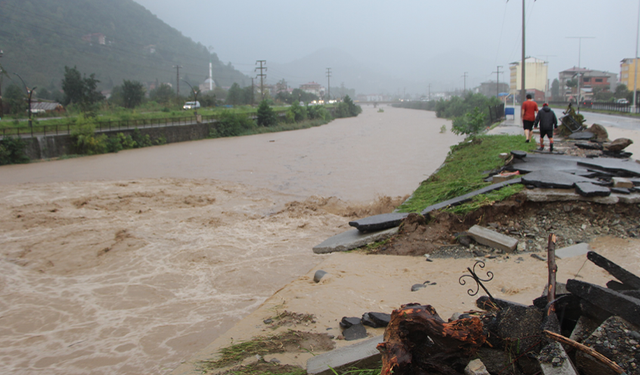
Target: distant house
[[313, 88], [95, 38], [589, 79], [46, 107], [150, 49], [536, 71]]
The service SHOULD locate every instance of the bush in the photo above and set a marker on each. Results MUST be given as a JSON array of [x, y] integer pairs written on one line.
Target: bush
[[471, 123], [231, 125], [85, 140], [12, 151], [296, 113], [140, 140], [266, 115], [347, 108]]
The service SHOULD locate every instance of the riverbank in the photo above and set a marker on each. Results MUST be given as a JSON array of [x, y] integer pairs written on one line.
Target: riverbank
[[129, 263], [357, 283]]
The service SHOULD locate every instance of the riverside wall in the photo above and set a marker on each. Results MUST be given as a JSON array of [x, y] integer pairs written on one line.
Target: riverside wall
[[53, 146]]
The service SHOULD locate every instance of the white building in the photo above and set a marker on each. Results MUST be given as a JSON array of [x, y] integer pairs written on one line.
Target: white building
[[536, 75]]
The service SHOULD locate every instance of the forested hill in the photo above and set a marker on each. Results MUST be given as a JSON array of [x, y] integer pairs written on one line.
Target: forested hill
[[115, 39]]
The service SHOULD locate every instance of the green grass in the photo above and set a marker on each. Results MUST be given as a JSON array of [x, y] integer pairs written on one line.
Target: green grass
[[463, 172]]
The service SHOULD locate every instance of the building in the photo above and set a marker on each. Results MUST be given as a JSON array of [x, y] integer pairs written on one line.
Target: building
[[589, 80], [313, 88], [536, 76], [98, 38], [628, 73], [491, 88], [208, 85]]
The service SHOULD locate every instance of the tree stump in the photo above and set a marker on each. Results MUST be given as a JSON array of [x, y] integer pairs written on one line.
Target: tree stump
[[418, 341]]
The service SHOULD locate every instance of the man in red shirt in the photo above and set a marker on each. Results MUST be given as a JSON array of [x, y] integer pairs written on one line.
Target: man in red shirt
[[528, 113]]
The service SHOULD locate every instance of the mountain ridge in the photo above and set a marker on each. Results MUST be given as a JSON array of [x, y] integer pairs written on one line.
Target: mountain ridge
[[116, 40]]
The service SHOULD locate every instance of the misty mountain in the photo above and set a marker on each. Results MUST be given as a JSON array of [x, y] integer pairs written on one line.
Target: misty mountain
[[115, 39], [345, 69], [443, 72]]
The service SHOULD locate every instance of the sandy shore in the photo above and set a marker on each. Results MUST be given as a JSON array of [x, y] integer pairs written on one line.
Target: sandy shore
[[356, 284]]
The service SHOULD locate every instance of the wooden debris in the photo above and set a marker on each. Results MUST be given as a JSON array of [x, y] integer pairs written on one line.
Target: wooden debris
[[553, 269], [614, 366], [627, 308], [418, 341], [615, 270]]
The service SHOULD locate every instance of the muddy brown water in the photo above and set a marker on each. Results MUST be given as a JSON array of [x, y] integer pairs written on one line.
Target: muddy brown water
[[128, 263]]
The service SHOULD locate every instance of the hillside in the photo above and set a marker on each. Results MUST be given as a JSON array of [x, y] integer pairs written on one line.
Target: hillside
[[115, 39]]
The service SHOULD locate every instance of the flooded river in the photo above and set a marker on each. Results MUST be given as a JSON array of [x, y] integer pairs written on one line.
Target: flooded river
[[128, 263]]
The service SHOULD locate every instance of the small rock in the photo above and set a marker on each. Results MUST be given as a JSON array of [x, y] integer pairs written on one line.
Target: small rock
[[318, 275], [416, 287], [522, 246]]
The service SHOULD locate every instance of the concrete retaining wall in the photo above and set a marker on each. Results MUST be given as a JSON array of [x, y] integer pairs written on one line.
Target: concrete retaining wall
[[52, 146]]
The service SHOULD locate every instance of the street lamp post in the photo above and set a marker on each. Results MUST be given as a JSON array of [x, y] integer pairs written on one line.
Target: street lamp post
[[29, 93], [195, 98]]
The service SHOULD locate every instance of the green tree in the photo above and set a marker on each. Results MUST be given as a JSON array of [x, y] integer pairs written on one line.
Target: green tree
[[132, 93], [266, 115], [235, 95], [471, 123], [79, 90], [14, 98], [621, 91], [555, 89], [162, 94]]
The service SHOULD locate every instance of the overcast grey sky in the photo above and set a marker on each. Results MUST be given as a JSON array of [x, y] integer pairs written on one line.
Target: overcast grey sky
[[425, 41]]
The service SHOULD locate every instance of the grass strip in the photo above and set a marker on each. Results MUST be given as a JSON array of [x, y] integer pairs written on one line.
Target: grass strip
[[464, 170]]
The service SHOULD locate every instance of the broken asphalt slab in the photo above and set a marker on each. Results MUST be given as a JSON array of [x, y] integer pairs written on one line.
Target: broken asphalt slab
[[361, 354], [536, 162], [467, 197], [554, 179], [587, 189], [379, 222], [352, 239], [573, 251], [617, 166]]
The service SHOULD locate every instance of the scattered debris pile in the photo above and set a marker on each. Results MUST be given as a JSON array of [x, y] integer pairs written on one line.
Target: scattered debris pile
[[574, 328]]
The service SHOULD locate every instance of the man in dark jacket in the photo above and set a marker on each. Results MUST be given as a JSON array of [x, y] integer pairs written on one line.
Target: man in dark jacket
[[548, 121]]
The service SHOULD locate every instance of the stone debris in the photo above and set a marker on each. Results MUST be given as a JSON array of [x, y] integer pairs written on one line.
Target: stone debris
[[617, 145], [493, 239], [378, 222]]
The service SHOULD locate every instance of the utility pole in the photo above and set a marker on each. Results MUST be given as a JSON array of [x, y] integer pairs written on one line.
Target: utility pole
[[578, 100], [329, 84], [262, 75], [635, 66], [1, 74], [178, 79], [498, 80], [523, 90], [252, 91], [465, 83], [429, 98]]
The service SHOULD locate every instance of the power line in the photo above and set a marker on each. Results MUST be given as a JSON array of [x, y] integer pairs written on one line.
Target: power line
[[261, 75], [498, 80], [178, 78], [329, 82]]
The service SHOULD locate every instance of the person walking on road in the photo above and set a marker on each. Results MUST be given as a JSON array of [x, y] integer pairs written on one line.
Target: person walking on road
[[548, 121], [528, 114]]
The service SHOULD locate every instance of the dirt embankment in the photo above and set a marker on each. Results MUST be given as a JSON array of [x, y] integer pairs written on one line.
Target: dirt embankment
[[529, 222]]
